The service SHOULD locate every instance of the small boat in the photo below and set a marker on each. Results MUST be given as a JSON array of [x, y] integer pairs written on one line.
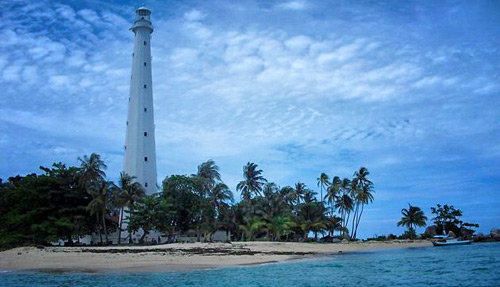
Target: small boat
[[444, 240]]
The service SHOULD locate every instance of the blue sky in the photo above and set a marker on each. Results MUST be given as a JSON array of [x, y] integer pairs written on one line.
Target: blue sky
[[408, 89]]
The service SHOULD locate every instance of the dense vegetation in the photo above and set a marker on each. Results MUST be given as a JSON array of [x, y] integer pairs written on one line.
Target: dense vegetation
[[446, 219], [69, 202]]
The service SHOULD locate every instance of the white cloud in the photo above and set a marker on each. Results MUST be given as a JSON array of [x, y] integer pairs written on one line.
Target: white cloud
[[89, 16], [12, 73], [296, 5], [194, 16], [297, 94], [66, 12]]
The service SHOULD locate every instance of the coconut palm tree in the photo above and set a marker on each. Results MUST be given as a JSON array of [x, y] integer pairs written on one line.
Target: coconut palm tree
[[253, 226], [252, 182], [209, 171], [361, 177], [126, 194], [93, 179], [219, 196], [288, 195], [344, 204], [309, 196], [333, 193], [333, 223], [281, 225], [300, 190], [323, 182], [99, 205], [364, 196], [358, 185], [269, 190], [91, 169], [412, 217]]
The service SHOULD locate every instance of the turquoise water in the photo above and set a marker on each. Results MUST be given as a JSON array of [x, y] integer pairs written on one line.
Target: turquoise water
[[473, 265]]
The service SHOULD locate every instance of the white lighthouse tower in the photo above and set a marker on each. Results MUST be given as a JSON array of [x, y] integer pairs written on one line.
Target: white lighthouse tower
[[140, 153]]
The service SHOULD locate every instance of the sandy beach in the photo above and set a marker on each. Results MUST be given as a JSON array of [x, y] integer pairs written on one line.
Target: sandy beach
[[176, 257]]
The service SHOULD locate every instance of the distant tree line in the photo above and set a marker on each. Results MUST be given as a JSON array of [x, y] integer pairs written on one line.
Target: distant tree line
[[447, 219], [70, 202]]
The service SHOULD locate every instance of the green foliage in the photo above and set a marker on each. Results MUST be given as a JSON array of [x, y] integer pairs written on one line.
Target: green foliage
[[155, 213], [67, 203], [412, 217], [185, 195], [447, 218], [252, 183], [37, 209]]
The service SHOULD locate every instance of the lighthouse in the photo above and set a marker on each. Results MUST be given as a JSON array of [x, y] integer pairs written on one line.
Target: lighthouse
[[140, 153]]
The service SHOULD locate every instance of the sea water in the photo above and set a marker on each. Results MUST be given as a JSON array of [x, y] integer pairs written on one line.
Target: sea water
[[472, 265]]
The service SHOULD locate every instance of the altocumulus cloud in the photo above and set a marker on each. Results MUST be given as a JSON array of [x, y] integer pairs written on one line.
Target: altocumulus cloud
[[409, 90]]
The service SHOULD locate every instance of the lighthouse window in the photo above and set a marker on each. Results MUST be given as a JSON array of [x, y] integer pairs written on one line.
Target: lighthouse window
[[127, 123], [125, 147], [145, 184], [144, 64], [144, 86], [145, 158], [145, 134], [145, 109], [145, 43]]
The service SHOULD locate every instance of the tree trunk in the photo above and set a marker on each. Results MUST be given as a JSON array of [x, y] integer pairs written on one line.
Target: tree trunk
[[348, 214], [321, 199], [120, 227], [359, 219], [354, 220], [104, 225], [143, 235], [99, 227]]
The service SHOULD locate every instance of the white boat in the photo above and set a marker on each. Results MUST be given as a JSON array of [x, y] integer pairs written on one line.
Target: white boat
[[444, 240]]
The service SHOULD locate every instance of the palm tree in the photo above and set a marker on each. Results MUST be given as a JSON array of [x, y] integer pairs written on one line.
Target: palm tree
[[99, 205], [332, 193], [364, 197], [269, 190], [309, 196], [300, 190], [288, 195], [361, 177], [344, 205], [413, 216], [91, 169], [344, 202], [209, 171], [253, 225], [252, 182], [127, 194], [323, 182], [281, 225], [92, 178], [359, 183], [333, 223], [218, 197]]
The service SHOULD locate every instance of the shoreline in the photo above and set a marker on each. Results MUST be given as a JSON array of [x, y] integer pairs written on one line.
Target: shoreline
[[178, 257]]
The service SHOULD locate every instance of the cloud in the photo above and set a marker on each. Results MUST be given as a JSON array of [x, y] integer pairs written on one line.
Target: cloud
[[194, 16], [298, 94], [296, 5]]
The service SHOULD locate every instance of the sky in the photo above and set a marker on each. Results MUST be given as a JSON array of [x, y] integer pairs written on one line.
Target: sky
[[408, 89]]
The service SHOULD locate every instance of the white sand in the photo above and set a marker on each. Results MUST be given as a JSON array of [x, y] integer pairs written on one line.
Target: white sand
[[177, 256]]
